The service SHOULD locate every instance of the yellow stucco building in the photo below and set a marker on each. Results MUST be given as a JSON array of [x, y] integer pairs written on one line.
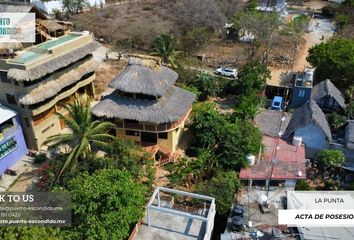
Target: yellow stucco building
[[145, 105], [38, 80]]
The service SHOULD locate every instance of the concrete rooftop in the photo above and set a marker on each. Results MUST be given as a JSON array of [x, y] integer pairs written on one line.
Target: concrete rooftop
[[168, 226]]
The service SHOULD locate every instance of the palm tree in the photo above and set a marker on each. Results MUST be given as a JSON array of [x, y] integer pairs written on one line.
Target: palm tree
[[164, 46], [85, 136]]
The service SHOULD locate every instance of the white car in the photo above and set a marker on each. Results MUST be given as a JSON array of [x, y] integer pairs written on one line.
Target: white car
[[228, 72]]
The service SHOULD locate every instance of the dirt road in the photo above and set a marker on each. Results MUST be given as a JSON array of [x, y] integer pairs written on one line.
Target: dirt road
[[320, 30]]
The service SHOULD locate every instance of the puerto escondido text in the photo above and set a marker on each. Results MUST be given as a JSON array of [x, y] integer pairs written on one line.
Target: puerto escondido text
[[6, 29]]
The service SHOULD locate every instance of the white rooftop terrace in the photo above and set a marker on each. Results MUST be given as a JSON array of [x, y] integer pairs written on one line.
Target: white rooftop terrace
[[166, 219]]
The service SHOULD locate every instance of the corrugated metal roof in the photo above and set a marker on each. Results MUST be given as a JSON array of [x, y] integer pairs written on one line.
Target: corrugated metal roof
[[6, 113]]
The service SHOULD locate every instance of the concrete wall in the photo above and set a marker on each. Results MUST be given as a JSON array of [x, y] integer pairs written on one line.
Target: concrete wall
[[9, 160], [313, 138]]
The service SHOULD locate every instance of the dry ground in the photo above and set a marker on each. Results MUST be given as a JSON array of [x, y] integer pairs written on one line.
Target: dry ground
[[139, 22], [105, 74]]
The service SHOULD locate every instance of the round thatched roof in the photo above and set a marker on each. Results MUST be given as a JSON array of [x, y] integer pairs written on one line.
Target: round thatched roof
[[169, 108], [145, 76]]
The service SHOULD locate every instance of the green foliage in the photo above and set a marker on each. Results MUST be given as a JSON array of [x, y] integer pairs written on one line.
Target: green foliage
[[190, 171], [104, 205], [208, 125], [341, 20], [334, 60], [29, 233], [126, 155], [208, 86], [332, 185], [251, 5], [302, 185], [349, 3], [232, 141], [349, 110], [247, 107], [330, 158], [86, 135], [336, 121], [74, 6], [252, 79], [349, 93], [194, 39], [40, 158], [222, 187], [186, 75], [164, 46], [240, 138], [192, 89]]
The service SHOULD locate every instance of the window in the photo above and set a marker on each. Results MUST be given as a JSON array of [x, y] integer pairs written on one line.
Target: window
[[131, 133], [11, 99], [302, 93], [3, 77], [163, 135], [7, 147]]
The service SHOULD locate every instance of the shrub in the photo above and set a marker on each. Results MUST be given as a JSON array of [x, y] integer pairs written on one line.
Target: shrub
[[40, 158]]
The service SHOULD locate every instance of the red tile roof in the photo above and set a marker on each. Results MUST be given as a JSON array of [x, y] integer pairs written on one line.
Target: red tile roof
[[288, 161]]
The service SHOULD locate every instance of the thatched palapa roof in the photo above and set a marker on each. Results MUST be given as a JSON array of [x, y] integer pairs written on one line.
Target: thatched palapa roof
[[169, 108], [51, 25], [308, 113], [48, 89], [53, 64], [145, 76], [327, 88]]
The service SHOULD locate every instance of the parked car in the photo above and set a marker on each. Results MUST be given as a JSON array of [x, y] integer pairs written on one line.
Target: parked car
[[226, 71], [277, 103]]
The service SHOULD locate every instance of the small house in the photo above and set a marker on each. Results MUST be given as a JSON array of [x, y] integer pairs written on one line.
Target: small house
[[310, 123], [12, 141], [145, 105], [328, 97], [302, 88], [349, 135]]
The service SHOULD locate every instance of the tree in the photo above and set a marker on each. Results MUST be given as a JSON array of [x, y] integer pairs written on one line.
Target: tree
[[264, 27], [30, 233], [101, 202], [86, 135], [349, 110], [222, 186], [247, 107], [334, 60], [349, 93], [126, 155], [335, 120], [199, 13], [207, 85], [240, 138], [252, 78], [329, 158], [164, 46], [208, 125], [194, 39], [302, 185], [74, 6]]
